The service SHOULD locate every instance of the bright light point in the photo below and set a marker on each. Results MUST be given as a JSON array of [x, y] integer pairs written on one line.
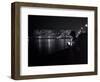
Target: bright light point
[[69, 43], [86, 25]]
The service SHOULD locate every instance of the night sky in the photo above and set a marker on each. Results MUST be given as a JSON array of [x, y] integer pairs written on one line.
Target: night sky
[[54, 22]]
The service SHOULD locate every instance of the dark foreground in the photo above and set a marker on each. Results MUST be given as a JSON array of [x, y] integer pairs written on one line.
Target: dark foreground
[[55, 52]]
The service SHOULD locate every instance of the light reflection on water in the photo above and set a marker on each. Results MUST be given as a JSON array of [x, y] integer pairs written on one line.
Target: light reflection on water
[[51, 45]]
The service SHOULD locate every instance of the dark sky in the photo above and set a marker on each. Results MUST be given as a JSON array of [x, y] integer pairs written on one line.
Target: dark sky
[[54, 22]]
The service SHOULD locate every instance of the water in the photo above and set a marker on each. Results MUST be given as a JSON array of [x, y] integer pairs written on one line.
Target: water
[[48, 46]]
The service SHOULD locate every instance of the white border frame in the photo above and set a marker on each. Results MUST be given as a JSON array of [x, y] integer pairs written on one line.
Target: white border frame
[[25, 70]]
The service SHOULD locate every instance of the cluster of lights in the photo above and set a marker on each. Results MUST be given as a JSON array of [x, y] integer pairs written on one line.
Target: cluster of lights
[[52, 34]]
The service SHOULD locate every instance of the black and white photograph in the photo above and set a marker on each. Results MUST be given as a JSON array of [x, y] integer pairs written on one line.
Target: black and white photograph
[[53, 40], [57, 40]]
